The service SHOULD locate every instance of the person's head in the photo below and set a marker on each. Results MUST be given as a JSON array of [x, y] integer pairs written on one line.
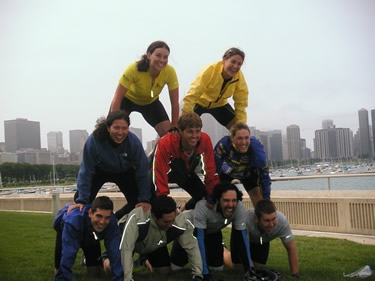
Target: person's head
[[233, 59], [100, 213], [189, 126], [156, 57], [116, 125], [240, 136], [265, 215], [164, 211], [227, 195]]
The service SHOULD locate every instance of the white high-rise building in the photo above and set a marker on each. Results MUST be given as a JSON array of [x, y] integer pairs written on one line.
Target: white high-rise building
[[294, 142], [55, 142], [326, 124], [213, 128], [364, 133]]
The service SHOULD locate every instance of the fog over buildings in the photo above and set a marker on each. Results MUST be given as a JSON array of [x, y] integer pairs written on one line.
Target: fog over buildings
[[22, 142]]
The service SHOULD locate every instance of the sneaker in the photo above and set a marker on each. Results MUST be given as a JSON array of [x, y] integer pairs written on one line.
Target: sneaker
[[83, 261]]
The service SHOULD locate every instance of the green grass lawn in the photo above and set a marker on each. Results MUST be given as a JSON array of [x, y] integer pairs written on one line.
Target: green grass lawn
[[27, 254]]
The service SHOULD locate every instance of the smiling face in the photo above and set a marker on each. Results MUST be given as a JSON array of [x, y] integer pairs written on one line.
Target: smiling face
[[190, 138], [118, 130], [231, 66], [241, 140], [158, 59], [228, 203], [266, 223], [100, 219]]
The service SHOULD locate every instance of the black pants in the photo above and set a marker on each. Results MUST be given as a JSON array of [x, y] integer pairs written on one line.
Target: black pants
[[126, 182], [259, 252], [192, 184], [159, 257], [248, 183], [214, 251], [223, 114]]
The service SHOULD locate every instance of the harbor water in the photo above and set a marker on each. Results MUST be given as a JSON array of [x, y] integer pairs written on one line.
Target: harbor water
[[344, 183]]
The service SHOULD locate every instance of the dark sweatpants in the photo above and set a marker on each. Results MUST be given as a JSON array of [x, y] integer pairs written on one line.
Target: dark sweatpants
[[126, 182]]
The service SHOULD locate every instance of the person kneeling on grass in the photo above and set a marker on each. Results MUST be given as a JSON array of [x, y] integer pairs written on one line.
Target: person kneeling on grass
[[84, 230], [148, 234], [264, 224], [209, 222]]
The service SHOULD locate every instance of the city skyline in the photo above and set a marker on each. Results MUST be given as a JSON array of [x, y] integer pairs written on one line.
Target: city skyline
[[325, 124], [306, 61]]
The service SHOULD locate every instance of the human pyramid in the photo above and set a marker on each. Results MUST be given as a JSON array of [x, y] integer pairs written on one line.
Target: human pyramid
[[183, 155]]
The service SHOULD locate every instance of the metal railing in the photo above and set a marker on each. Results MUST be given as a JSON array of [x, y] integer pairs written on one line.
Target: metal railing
[[328, 177]]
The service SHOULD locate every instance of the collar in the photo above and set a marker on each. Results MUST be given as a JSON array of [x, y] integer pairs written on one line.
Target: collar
[[236, 149]]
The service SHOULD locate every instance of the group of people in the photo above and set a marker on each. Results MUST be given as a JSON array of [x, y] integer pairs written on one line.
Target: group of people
[[184, 155]]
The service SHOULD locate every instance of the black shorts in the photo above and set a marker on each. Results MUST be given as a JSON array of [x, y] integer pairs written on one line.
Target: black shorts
[[248, 183], [223, 114], [153, 113]]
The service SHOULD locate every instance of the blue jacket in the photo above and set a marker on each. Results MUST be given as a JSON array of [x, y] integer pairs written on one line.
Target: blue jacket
[[75, 227], [226, 156], [106, 156]]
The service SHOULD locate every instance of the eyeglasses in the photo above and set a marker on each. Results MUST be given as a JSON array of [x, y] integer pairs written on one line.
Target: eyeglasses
[[234, 51]]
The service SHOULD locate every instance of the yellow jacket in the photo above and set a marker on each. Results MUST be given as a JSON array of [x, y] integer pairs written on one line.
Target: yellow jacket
[[206, 91]]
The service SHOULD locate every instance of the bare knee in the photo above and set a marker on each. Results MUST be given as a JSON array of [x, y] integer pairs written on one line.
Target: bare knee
[[255, 195], [163, 127]]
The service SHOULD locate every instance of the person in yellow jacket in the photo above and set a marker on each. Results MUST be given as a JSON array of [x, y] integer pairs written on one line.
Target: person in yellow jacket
[[214, 85], [141, 84]]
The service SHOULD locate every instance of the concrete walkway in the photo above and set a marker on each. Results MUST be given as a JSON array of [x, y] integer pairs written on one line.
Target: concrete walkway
[[362, 239]]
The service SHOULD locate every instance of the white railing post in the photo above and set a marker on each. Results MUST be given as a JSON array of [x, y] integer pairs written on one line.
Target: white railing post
[[55, 203]]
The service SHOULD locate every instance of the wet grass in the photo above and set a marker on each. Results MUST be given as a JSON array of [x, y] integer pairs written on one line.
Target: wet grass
[[27, 243]]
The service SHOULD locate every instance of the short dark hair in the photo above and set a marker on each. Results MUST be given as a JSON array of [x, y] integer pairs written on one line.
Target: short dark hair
[[189, 120], [223, 187], [264, 206], [161, 205], [103, 203]]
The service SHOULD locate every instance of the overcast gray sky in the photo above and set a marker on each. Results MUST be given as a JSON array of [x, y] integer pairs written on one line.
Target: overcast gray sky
[[306, 61]]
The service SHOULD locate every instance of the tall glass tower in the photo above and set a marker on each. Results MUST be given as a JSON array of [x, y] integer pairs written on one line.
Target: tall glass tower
[[364, 133], [21, 134]]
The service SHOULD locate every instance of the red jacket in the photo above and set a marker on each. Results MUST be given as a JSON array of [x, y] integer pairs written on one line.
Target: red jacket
[[169, 149]]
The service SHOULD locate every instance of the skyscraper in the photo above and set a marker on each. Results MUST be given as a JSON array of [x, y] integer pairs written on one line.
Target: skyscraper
[[294, 142], [21, 134], [77, 139], [55, 142], [333, 143], [213, 128], [275, 142], [137, 132], [326, 124], [364, 133], [373, 129]]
